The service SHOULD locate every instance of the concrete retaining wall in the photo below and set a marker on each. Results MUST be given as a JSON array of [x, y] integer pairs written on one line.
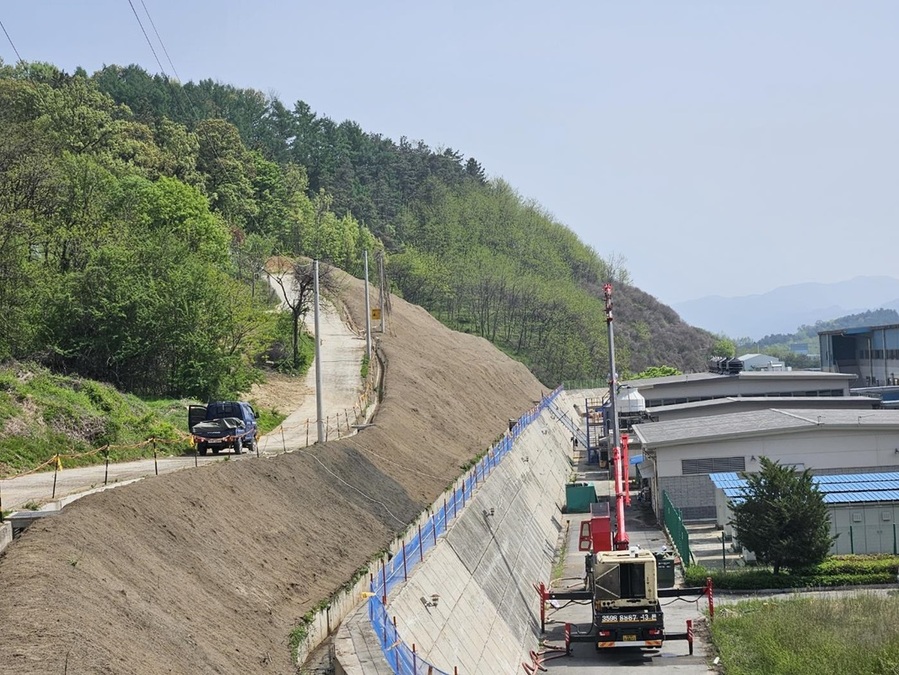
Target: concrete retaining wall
[[5, 535], [487, 617]]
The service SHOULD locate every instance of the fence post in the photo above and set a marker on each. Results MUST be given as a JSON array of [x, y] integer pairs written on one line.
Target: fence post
[[708, 585], [454, 502], [384, 584], [405, 573], [307, 432], [327, 421], [421, 550], [106, 473], [55, 472], [434, 525], [155, 462], [690, 635]]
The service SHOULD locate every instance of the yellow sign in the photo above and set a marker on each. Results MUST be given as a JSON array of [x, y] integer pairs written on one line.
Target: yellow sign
[[375, 313]]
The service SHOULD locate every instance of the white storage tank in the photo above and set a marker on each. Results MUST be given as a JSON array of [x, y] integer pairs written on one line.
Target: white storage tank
[[629, 401]]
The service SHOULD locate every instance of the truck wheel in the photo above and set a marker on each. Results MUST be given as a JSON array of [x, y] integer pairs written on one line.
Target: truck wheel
[[251, 444], [215, 450], [238, 447], [202, 448]]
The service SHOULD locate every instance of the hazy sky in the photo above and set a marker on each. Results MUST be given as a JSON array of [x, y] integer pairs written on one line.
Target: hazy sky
[[719, 147]]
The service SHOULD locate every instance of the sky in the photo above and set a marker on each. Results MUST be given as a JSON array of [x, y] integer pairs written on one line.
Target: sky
[[716, 147]]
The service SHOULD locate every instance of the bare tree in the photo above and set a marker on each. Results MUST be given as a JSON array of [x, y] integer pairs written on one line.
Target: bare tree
[[297, 288]]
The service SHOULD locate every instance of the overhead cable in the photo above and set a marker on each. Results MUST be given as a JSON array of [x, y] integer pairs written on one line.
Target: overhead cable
[[21, 60]]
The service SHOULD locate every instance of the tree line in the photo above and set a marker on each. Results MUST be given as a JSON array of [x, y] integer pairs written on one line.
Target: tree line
[[236, 176], [126, 247]]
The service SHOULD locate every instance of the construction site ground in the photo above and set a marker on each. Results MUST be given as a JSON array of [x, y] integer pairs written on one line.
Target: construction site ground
[[210, 570], [644, 531]]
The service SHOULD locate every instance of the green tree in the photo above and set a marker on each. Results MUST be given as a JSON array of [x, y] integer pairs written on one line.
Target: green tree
[[781, 517], [725, 347], [656, 371]]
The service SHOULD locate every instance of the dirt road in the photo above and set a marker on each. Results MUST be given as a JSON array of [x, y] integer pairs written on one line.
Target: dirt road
[[341, 355]]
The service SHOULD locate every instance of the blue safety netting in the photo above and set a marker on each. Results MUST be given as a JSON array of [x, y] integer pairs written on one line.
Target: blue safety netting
[[400, 657]]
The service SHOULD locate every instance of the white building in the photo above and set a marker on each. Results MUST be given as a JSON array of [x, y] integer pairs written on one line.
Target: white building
[[679, 455]]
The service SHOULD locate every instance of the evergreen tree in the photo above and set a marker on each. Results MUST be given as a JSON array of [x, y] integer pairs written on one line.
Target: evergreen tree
[[782, 517]]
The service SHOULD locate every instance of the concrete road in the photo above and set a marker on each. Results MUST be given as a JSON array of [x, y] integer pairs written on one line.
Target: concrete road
[[341, 354], [585, 659]]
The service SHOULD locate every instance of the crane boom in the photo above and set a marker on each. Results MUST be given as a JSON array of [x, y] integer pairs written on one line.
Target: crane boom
[[622, 542]]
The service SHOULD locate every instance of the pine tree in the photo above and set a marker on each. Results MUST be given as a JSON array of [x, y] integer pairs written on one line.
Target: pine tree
[[782, 517]]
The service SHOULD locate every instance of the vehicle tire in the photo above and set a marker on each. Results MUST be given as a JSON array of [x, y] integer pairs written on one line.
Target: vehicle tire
[[252, 444], [202, 448], [216, 450], [238, 446]]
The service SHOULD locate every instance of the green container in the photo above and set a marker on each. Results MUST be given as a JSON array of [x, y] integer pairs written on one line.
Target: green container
[[578, 497], [665, 570]]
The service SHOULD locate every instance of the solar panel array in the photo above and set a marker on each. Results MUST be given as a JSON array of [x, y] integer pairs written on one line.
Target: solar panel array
[[837, 488]]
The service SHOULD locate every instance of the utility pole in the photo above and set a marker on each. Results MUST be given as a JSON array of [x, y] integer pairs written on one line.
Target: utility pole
[[318, 362], [381, 278], [367, 312]]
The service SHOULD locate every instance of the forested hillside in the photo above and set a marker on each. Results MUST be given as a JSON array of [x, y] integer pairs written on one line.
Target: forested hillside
[[135, 209]]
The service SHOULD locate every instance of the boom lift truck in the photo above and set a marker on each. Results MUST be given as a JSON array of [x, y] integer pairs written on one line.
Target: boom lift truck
[[621, 582]]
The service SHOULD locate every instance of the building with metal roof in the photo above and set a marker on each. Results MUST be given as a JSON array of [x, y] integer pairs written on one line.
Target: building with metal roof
[[674, 389], [871, 353], [679, 455], [733, 404], [863, 508]]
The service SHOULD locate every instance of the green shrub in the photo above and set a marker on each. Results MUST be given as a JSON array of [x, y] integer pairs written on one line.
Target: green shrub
[[835, 571]]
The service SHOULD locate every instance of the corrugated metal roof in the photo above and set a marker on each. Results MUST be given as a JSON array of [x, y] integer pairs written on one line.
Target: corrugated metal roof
[[864, 402], [759, 422]]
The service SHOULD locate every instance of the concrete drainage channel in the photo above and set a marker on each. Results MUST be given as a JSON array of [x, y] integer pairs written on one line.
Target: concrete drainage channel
[[470, 605]]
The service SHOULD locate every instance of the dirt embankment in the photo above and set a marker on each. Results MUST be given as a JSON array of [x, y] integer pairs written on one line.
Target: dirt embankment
[[208, 570]]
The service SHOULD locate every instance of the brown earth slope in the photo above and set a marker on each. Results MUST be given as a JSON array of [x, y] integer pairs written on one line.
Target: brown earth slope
[[208, 570]]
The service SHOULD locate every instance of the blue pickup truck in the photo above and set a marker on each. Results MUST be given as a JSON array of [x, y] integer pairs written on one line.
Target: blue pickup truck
[[223, 424]]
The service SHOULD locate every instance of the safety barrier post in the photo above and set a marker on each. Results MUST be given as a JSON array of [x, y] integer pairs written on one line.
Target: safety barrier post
[[396, 639], [327, 417], [434, 526], [690, 635], [405, 574], [106, 472], [155, 462], [421, 551], [542, 591], [384, 583], [307, 434], [454, 502], [708, 586], [414, 659], [567, 639]]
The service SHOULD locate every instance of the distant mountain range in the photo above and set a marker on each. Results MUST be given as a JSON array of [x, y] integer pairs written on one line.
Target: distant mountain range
[[786, 308]]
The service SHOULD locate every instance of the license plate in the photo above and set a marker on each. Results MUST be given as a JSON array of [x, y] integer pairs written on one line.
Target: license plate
[[629, 637]]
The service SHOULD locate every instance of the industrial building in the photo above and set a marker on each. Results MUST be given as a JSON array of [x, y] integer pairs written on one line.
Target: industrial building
[[863, 509], [871, 353], [734, 404], [679, 455], [690, 387]]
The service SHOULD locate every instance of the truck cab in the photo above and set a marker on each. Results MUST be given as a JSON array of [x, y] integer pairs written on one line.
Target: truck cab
[[223, 424]]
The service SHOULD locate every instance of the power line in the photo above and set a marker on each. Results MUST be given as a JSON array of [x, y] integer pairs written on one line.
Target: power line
[[159, 37], [146, 37], [21, 60]]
